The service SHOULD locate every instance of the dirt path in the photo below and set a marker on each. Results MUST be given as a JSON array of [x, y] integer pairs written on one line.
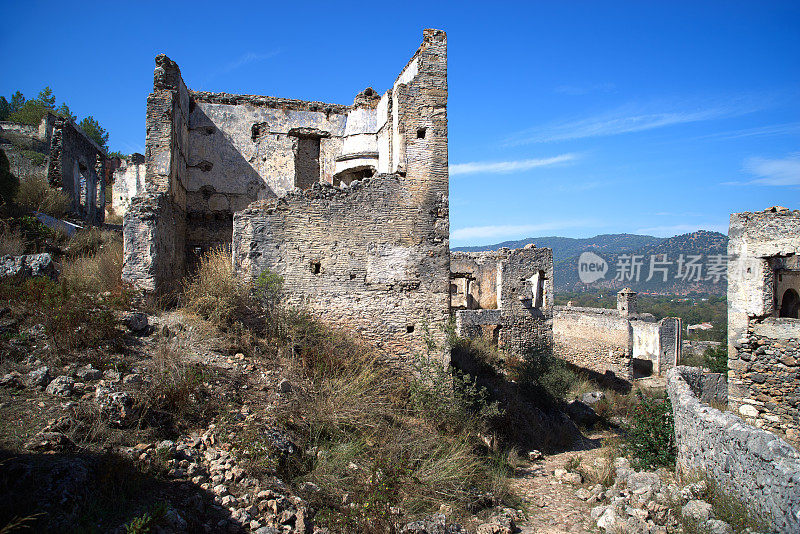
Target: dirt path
[[553, 507]]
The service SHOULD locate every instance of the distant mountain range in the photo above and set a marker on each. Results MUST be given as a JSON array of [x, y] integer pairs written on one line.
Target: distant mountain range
[[627, 254]]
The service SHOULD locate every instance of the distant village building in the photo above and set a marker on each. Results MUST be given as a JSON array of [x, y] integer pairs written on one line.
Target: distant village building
[[621, 341]]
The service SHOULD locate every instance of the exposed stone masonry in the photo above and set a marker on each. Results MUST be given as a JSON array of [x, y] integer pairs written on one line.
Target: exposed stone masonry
[[763, 325]]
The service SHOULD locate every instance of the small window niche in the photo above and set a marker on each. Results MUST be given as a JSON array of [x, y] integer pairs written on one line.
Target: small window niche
[[316, 267], [410, 329], [421, 133]]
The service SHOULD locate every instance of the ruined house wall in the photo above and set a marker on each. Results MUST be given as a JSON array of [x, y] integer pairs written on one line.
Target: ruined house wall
[[154, 229], [73, 163], [518, 283], [371, 256], [618, 340], [593, 338], [128, 182], [763, 350], [77, 166], [474, 279]]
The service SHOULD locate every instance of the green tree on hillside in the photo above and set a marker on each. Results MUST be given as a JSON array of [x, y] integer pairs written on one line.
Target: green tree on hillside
[[46, 98], [65, 112], [8, 182], [5, 108], [97, 133], [17, 101]]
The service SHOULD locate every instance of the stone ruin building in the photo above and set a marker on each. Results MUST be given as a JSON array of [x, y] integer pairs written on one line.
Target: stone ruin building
[[73, 162], [504, 296], [763, 319], [128, 182], [621, 341], [349, 204]]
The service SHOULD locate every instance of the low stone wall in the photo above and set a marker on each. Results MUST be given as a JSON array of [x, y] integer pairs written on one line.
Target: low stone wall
[[757, 467]]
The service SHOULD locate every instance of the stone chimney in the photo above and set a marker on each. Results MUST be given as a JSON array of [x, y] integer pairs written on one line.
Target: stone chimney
[[626, 302]]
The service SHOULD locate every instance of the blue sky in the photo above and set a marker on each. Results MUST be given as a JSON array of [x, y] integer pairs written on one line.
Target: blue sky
[[566, 118]]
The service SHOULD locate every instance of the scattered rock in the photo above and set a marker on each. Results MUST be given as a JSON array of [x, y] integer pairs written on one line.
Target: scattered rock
[[50, 442], [23, 267], [133, 379], [535, 456], [61, 386], [38, 377], [12, 379], [696, 510], [87, 372]]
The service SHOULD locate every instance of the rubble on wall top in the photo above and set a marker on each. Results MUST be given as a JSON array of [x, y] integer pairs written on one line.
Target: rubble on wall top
[[269, 101], [320, 190], [368, 98]]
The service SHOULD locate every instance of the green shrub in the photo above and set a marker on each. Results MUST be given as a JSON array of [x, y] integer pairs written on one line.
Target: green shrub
[[547, 371], [716, 359], [37, 158], [650, 435]]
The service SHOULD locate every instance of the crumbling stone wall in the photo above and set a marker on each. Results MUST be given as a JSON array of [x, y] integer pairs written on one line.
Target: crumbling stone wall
[[371, 255], [128, 182], [763, 347], [518, 284], [621, 341], [755, 466], [593, 338], [154, 228]]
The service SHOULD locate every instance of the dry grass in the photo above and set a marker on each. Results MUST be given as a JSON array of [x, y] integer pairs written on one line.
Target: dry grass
[[99, 271], [112, 217], [11, 241], [372, 441], [214, 293], [35, 194], [602, 470]]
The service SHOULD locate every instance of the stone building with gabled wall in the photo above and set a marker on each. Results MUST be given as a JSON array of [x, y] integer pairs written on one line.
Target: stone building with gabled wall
[[763, 319], [349, 204]]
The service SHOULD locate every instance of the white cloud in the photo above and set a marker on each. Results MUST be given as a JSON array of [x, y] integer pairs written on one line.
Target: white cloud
[[504, 167], [512, 231], [678, 229], [780, 172], [629, 119], [774, 129]]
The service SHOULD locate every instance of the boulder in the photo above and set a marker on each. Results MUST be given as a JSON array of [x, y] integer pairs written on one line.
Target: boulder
[[87, 372], [717, 526], [696, 510], [582, 413], [50, 442], [117, 406], [135, 321], [23, 267], [39, 377], [61, 386], [592, 397]]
